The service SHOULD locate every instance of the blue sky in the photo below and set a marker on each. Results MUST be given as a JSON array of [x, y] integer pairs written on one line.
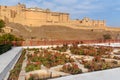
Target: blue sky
[[108, 10]]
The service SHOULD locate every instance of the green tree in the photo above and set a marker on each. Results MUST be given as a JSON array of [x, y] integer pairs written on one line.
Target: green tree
[[2, 24], [107, 36], [9, 37]]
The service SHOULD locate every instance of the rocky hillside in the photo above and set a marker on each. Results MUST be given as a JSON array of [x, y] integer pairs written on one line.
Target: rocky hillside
[[58, 32]]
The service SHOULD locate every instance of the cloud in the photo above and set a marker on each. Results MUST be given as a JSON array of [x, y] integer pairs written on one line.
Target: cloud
[[65, 2]]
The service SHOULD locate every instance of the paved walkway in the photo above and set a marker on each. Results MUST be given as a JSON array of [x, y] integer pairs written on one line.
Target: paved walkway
[[8, 60], [23, 72]]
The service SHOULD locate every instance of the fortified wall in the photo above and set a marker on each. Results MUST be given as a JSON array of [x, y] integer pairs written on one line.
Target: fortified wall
[[37, 17], [31, 16], [87, 22]]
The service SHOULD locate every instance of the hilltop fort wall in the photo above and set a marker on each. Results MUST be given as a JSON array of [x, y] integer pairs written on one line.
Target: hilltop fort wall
[[37, 17]]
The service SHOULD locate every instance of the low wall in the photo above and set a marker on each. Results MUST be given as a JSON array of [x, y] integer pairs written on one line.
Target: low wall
[[47, 46], [8, 60], [99, 44], [110, 74], [61, 42]]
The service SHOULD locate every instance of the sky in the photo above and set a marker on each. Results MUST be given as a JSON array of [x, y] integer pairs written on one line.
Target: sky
[[108, 10]]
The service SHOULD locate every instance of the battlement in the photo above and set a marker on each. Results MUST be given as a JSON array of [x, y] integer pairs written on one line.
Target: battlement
[[37, 16], [96, 23]]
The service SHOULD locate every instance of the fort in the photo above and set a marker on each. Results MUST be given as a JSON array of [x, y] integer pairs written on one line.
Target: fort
[[37, 17]]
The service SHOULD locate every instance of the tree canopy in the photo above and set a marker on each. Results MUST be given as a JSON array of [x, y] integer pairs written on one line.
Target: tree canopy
[[107, 36], [9, 37], [2, 24]]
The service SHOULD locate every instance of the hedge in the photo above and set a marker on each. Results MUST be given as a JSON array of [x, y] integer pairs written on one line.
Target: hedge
[[4, 48]]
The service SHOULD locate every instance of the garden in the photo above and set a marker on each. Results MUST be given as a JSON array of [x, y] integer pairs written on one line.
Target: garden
[[52, 62], [46, 58]]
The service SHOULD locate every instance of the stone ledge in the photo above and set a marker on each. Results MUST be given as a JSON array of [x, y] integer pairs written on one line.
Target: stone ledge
[[110, 74], [8, 60]]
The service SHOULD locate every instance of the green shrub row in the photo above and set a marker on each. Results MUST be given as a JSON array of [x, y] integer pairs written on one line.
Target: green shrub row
[[4, 48]]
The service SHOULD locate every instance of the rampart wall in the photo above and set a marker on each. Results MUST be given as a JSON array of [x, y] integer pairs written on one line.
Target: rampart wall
[[37, 17]]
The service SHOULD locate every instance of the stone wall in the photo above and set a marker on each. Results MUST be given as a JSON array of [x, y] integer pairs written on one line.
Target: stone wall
[[31, 16], [88, 22], [37, 17]]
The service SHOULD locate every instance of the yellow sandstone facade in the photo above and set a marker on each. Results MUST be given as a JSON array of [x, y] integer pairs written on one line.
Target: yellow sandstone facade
[[37, 17]]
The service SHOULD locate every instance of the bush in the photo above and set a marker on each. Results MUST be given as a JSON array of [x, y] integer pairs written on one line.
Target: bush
[[71, 68], [114, 62], [96, 65], [61, 49], [4, 48], [48, 58], [116, 57], [9, 37], [107, 36], [32, 67], [91, 50], [2, 24]]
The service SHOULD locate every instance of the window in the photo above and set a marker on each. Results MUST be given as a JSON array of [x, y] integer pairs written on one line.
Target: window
[[80, 21], [5, 6]]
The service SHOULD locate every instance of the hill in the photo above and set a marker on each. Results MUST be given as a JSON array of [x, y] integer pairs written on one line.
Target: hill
[[59, 32]]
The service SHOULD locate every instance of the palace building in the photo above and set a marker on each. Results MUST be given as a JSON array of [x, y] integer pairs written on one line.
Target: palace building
[[37, 17]]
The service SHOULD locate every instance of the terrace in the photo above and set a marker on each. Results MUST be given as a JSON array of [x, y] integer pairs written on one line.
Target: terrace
[[68, 59]]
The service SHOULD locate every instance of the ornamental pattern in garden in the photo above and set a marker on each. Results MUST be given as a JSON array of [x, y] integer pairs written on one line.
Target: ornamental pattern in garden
[[69, 60]]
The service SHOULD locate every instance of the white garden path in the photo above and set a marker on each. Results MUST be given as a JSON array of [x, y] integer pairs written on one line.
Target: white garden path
[[23, 72], [8, 60]]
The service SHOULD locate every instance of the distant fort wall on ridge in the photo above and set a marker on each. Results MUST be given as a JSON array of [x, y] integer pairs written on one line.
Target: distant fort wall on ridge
[[37, 17]]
